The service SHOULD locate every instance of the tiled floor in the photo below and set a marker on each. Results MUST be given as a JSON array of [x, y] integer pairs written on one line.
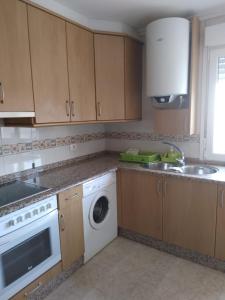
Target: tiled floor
[[126, 270]]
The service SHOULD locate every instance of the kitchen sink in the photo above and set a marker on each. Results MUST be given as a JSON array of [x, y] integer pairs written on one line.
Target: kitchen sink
[[159, 166], [187, 169], [194, 170]]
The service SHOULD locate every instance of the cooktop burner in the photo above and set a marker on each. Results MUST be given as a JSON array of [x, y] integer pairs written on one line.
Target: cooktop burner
[[18, 190]]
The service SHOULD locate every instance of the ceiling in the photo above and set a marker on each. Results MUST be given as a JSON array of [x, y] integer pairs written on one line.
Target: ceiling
[[137, 13]]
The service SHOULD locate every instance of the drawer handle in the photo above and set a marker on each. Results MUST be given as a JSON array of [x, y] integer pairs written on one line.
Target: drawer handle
[[34, 290], [2, 94], [76, 195], [62, 222]]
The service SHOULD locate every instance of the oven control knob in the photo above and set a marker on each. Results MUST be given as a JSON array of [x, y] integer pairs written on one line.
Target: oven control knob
[[19, 219], [48, 206], [28, 215], [35, 212], [42, 209], [11, 223]]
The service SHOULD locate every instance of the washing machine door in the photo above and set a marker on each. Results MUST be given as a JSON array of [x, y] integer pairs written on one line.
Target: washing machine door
[[99, 211]]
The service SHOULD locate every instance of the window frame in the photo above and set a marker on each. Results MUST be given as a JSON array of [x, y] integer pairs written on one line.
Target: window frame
[[212, 69]]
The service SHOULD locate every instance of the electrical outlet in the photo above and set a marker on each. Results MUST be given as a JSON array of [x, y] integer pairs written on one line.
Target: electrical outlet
[[73, 147]]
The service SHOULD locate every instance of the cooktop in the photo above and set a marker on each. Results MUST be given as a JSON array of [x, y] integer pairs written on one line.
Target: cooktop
[[18, 190]]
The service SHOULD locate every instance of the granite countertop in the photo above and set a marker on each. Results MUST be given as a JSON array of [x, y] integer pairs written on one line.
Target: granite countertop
[[65, 176]]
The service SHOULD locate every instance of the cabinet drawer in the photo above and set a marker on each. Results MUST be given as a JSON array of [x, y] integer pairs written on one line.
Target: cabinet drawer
[[26, 292], [70, 194]]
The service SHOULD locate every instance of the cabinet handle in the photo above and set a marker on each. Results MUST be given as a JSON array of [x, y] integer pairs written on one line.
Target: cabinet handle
[[62, 222], [222, 199], [2, 94], [67, 108], [73, 108], [159, 186], [34, 290], [165, 188], [99, 108]]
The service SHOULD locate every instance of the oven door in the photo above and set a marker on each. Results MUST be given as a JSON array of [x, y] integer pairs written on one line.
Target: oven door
[[27, 253]]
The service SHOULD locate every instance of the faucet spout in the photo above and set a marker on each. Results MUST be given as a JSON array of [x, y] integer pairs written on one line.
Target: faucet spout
[[181, 160]]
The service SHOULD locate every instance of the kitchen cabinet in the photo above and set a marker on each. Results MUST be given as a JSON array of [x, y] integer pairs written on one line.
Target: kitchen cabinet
[[109, 73], [140, 203], [16, 93], [189, 214], [220, 228], [183, 121], [133, 79], [49, 66], [80, 45], [36, 284], [71, 225]]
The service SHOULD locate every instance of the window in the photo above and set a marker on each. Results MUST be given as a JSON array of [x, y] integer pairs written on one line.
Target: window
[[215, 132]]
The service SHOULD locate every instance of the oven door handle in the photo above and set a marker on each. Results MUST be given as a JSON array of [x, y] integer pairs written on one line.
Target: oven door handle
[[25, 230]]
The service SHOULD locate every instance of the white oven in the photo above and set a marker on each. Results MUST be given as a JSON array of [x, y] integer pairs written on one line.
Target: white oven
[[29, 245]]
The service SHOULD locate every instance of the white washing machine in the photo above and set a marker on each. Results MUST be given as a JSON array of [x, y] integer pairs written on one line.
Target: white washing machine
[[99, 213]]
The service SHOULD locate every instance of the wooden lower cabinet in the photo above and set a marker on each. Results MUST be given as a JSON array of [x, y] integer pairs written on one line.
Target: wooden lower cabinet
[[140, 202], [50, 274], [71, 225], [189, 214], [220, 228]]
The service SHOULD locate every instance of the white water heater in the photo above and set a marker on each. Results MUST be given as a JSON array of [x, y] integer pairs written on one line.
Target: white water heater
[[167, 49]]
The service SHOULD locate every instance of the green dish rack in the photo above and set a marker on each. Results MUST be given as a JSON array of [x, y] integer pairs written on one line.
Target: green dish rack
[[141, 157]]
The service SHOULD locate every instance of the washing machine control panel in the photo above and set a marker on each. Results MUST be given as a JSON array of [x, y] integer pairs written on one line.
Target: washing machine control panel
[[94, 185]]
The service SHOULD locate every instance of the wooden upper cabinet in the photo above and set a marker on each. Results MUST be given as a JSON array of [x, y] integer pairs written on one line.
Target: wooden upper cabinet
[[109, 71], [16, 93], [189, 214], [133, 79], [140, 202], [49, 66], [220, 228], [71, 225], [80, 43]]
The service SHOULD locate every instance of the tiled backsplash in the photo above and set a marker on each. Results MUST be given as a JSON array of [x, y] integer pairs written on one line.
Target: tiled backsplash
[[21, 147]]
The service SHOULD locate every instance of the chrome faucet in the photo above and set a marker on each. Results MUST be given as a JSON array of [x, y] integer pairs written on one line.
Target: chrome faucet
[[181, 160]]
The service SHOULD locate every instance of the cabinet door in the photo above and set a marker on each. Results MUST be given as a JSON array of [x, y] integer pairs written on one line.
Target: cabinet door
[[133, 79], [171, 121], [71, 226], [80, 44], [16, 93], [141, 202], [109, 70], [189, 214], [49, 66], [220, 229]]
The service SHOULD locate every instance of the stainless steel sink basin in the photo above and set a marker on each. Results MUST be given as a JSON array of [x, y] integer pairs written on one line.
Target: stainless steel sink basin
[[187, 169], [194, 170], [159, 166]]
